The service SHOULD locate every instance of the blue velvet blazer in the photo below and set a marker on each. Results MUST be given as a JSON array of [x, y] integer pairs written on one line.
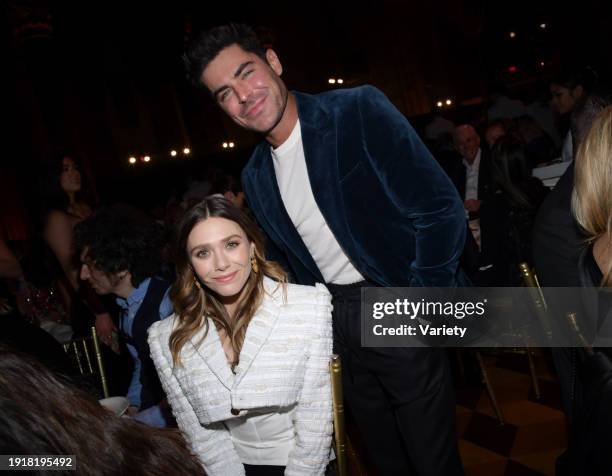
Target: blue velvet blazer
[[392, 209]]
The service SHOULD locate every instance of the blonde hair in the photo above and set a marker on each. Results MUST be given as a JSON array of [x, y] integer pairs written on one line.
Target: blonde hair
[[592, 195], [195, 305]]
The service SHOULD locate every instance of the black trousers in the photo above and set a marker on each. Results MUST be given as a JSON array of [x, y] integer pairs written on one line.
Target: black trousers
[[401, 398]]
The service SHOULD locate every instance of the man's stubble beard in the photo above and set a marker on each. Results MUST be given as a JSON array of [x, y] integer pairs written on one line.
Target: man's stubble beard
[[285, 98]]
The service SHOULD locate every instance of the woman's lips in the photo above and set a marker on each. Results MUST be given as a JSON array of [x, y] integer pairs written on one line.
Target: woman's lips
[[227, 278]]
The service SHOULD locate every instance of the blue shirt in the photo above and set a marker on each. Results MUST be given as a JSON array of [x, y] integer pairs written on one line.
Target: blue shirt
[[130, 307]]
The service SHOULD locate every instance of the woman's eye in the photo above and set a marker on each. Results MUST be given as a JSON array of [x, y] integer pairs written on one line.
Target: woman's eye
[[202, 254], [232, 244]]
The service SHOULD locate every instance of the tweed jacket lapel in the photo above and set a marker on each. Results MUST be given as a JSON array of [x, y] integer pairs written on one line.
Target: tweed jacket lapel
[[211, 351], [260, 328]]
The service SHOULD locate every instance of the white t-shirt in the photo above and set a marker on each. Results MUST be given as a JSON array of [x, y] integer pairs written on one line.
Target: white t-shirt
[[264, 438], [294, 185]]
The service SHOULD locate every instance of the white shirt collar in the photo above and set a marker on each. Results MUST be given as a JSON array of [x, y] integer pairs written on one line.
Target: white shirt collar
[[294, 137], [476, 162]]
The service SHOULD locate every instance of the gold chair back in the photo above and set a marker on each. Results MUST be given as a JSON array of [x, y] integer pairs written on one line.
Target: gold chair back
[[335, 369], [572, 320], [85, 352], [530, 280]]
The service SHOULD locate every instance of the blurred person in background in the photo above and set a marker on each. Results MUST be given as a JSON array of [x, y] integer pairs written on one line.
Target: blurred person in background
[[568, 89], [65, 201], [43, 413], [592, 207], [229, 187], [120, 251], [507, 217]]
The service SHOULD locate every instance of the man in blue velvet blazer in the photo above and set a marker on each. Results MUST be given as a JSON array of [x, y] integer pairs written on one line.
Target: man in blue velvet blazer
[[388, 203], [361, 202]]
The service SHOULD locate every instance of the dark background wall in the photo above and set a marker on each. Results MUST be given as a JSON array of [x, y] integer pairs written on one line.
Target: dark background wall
[[104, 80]]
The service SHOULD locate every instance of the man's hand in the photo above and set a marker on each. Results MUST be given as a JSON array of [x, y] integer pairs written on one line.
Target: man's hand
[[472, 205], [105, 328]]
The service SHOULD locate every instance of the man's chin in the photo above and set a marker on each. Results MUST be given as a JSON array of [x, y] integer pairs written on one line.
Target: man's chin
[[259, 127]]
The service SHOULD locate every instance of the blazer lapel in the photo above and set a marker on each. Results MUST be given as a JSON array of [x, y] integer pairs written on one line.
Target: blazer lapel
[[261, 326], [211, 352], [320, 141], [275, 213]]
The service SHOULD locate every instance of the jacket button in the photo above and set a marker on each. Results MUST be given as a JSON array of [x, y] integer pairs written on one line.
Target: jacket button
[[233, 411]]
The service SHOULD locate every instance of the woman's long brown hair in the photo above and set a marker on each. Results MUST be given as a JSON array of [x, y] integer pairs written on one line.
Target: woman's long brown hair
[[44, 413], [195, 305]]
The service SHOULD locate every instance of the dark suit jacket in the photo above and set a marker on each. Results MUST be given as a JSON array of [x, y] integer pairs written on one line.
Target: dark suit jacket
[[557, 243], [457, 172], [557, 240], [388, 203], [506, 232]]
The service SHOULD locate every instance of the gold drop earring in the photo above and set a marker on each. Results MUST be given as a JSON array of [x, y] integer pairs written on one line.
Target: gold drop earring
[[197, 282]]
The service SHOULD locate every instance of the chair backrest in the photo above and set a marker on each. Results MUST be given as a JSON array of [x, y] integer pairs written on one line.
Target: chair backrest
[[572, 320], [86, 355], [530, 281], [335, 369]]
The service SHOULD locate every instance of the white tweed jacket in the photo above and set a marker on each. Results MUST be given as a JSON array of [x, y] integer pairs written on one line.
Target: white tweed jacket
[[284, 361]]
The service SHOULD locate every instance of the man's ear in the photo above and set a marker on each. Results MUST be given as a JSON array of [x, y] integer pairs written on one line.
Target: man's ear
[[274, 62]]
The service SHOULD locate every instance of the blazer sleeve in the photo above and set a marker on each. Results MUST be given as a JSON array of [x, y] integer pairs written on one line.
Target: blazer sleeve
[[418, 187], [313, 419], [212, 444]]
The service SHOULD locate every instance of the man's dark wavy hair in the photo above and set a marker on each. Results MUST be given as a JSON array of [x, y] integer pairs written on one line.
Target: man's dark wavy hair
[[120, 238], [208, 44]]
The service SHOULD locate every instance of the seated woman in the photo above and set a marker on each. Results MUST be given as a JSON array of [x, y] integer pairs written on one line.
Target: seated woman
[[592, 374], [592, 209], [244, 361], [591, 199]]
